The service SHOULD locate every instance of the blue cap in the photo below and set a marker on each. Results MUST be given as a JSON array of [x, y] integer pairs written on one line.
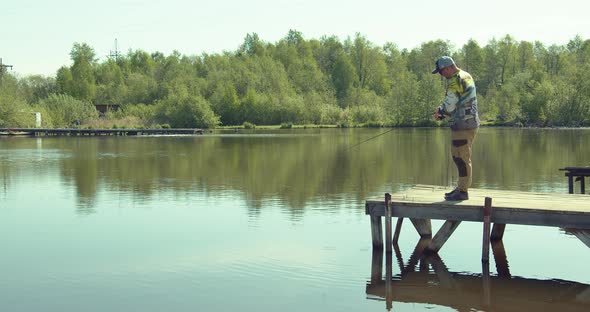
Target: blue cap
[[442, 62]]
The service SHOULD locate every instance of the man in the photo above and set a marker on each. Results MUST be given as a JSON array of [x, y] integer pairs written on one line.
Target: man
[[460, 104]]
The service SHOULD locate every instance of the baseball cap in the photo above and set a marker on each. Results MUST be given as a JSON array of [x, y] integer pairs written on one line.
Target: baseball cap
[[442, 62]]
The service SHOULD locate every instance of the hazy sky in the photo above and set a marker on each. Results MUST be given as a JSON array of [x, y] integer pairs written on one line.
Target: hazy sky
[[36, 36]]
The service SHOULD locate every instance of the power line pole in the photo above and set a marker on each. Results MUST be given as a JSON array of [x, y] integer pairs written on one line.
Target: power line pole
[[115, 54], [3, 68]]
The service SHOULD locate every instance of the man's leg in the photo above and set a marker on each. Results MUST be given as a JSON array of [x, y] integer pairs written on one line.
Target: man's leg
[[462, 141]]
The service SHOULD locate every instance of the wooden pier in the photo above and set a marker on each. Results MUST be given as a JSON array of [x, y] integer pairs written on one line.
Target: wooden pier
[[94, 132], [422, 203]]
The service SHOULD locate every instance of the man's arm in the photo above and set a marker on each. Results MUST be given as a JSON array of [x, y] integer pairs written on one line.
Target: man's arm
[[447, 107]]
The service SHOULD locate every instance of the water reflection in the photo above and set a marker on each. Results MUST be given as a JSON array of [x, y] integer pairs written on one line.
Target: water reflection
[[425, 279], [296, 167]]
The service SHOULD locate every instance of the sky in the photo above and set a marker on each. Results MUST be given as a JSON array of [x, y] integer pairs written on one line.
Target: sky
[[36, 36]]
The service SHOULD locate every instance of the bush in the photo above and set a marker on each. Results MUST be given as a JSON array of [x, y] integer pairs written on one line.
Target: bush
[[129, 122], [345, 119], [330, 114], [292, 109], [367, 114], [248, 125], [186, 112], [286, 125], [373, 124], [144, 112], [64, 110]]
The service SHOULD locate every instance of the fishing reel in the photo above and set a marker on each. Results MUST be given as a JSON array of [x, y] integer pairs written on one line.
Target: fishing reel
[[440, 114]]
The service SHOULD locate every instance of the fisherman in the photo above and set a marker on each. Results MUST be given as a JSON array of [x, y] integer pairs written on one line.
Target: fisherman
[[460, 104]]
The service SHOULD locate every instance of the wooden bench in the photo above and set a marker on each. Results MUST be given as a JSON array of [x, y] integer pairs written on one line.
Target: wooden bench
[[579, 173]]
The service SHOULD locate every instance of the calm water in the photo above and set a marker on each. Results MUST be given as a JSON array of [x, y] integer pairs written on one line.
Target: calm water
[[270, 221]]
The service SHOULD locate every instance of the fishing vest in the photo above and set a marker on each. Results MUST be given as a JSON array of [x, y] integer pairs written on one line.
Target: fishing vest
[[462, 87]]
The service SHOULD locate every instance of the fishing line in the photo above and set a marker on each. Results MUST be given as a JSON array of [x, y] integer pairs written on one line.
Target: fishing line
[[448, 152], [369, 139]]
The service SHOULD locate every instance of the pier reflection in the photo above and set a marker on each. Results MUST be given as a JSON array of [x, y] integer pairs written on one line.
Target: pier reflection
[[426, 279]]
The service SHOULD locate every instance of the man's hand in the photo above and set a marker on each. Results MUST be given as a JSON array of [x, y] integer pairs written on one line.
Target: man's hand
[[438, 115]]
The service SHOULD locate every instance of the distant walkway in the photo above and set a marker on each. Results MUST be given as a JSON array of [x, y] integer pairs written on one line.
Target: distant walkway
[[93, 132]]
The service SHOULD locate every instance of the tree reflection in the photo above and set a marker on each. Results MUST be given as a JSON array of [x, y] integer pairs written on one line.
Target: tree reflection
[[302, 167]]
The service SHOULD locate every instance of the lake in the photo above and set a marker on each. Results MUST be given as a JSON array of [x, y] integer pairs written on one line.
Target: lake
[[270, 220]]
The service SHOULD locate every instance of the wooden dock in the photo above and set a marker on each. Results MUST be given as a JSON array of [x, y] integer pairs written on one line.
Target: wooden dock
[[422, 203], [94, 132]]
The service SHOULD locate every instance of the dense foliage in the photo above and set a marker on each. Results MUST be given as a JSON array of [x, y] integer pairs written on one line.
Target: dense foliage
[[298, 81]]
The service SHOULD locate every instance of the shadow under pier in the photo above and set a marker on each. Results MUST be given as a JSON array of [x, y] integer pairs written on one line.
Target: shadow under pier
[[424, 278]]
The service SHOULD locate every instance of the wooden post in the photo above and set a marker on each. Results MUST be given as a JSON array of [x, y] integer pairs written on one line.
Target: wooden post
[[423, 226], [497, 231], [500, 259], [442, 272], [398, 228], [583, 235], [388, 243], [582, 184], [376, 265], [398, 257], [388, 280], [442, 236], [423, 264], [487, 213], [416, 255], [570, 182], [487, 297], [376, 232]]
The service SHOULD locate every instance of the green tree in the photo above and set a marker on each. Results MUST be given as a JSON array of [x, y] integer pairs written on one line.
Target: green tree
[[249, 106], [36, 87], [140, 88], [491, 69], [506, 57], [421, 60], [401, 102], [252, 45], [225, 103], [314, 81], [83, 83], [526, 56], [327, 53], [141, 62], [534, 109], [111, 88], [295, 53], [553, 59], [343, 77], [13, 108], [471, 59], [64, 80], [176, 76], [369, 64]]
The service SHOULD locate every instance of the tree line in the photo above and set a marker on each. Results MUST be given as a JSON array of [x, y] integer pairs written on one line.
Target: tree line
[[325, 81]]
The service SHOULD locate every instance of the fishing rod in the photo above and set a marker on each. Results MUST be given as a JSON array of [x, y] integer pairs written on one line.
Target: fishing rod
[[369, 139]]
